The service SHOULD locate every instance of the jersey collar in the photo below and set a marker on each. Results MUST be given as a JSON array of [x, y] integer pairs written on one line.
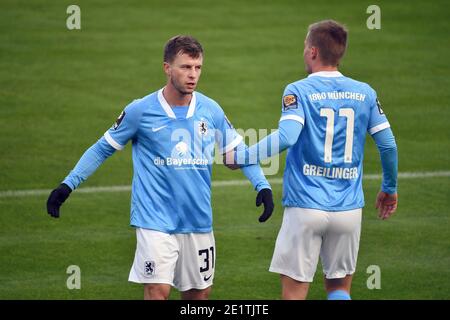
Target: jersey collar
[[327, 74], [168, 109]]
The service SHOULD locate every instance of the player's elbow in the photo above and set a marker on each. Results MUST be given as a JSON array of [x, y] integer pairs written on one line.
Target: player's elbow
[[390, 147], [291, 140], [287, 139], [393, 147]]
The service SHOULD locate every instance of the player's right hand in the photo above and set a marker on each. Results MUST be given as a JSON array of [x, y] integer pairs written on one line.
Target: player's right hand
[[57, 198], [386, 204]]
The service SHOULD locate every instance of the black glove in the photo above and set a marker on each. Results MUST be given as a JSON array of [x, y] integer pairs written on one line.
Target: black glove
[[265, 196], [57, 198]]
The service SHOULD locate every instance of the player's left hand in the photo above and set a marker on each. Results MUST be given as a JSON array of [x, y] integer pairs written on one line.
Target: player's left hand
[[57, 198], [386, 204], [265, 197]]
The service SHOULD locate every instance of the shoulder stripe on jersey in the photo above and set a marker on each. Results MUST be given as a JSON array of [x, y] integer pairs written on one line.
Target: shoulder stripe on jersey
[[112, 142], [293, 117], [231, 145], [379, 127]]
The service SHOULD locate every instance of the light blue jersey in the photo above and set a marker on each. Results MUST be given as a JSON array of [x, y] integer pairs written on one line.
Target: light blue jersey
[[172, 160], [324, 167]]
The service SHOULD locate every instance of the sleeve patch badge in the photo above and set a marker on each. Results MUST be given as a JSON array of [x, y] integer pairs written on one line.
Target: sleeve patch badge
[[289, 102], [119, 120], [379, 107]]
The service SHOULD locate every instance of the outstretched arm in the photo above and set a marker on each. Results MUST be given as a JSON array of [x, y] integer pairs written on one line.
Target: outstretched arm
[[285, 137], [229, 141], [256, 176], [89, 162], [248, 158], [387, 198], [86, 166], [115, 138]]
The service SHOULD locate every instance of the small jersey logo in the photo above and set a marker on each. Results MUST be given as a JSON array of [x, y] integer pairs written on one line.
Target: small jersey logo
[[149, 268], [119, 120], [159, 128], [205, 278], [379, 107], [290, 102], [203, 128]]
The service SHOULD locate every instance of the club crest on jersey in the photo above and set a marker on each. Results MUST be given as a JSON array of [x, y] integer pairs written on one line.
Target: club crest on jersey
[[149, 268], [379, 107], [289, 102], [203, 128], [119, 120]]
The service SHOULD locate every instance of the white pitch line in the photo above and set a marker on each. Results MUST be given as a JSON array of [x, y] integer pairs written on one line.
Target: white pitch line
[[224, 183]]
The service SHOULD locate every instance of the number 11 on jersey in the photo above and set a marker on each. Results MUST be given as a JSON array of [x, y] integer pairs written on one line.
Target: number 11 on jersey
[[329, 133]]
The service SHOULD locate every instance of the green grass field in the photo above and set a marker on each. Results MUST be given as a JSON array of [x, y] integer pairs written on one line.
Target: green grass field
[[60, 90]]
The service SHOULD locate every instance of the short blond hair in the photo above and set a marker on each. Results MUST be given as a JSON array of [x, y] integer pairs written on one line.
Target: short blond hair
[[330, 37]]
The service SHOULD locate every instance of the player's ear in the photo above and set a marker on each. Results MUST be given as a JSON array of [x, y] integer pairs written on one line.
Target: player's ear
[[314, 53], [166, 68]]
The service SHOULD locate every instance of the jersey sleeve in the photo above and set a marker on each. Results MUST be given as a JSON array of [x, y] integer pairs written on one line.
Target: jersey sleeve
[[389, 159], [226, 135], [125, 126], [291, 106], [377, 118], [88, 163]]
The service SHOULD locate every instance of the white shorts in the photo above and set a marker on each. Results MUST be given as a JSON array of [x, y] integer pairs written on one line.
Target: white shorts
[[307, 233], [184, 260]]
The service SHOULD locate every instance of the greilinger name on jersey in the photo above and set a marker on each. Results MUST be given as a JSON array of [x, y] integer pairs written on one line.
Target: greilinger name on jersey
[[332, 173], [336, 95]]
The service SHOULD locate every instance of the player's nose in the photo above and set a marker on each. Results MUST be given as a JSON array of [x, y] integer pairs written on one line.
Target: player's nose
[[191, 74]]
